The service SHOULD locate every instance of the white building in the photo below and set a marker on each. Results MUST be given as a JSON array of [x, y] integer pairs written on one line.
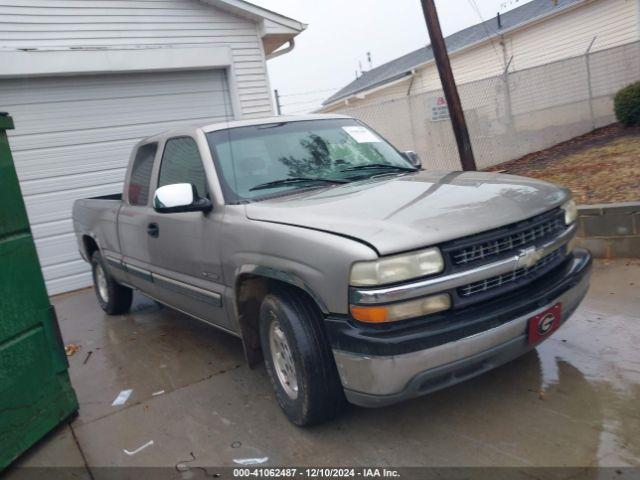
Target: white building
[[537, 75], [85, 80], [535, 33]]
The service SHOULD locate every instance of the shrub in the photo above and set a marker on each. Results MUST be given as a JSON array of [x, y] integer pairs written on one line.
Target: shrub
[[626, 104]]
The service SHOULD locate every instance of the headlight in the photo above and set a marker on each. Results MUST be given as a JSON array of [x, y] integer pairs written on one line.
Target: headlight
[[397, 268], [570, 212], [401, 311]]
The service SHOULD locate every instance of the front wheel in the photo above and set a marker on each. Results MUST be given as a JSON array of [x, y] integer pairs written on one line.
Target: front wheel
[[112, 297], [298, 359]]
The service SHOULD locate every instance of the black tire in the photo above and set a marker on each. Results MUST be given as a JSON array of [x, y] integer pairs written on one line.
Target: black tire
[[320, 396], [118, 297]]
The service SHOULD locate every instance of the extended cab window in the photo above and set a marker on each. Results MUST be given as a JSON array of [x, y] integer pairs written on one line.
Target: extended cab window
[[141, 174], [181, 163]]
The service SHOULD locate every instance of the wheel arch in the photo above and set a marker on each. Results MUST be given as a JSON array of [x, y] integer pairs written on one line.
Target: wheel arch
[[89, 245], [252, 284]]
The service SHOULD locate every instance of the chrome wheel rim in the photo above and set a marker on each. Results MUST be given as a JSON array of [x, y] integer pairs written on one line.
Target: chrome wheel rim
[[101, 283], [283, 360]]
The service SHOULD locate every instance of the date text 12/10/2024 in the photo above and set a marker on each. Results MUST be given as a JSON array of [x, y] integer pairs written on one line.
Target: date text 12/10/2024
[[310, 472]]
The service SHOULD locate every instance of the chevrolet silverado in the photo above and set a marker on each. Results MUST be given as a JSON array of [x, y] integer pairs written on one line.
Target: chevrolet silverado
[[355, 274]]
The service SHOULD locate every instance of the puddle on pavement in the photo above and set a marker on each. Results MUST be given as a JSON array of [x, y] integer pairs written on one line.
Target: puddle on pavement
[[599, 361]]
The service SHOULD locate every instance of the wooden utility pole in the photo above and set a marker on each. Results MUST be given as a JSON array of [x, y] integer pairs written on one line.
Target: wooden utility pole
[[449, 85]]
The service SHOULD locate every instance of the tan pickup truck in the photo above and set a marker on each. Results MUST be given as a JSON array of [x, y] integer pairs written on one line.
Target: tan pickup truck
[[354, 273]]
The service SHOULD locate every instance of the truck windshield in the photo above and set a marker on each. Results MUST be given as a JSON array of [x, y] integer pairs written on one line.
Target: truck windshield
[[278, 158]]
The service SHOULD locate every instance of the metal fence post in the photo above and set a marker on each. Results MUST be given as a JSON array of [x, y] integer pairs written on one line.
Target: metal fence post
[[507, 102], [507, 97], [278, 106], [589, 87], [507, 90]]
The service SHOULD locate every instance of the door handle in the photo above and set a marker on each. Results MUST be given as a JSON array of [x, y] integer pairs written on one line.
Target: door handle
[[153, 230]]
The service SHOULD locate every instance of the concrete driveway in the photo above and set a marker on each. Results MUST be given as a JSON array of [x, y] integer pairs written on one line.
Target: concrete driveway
[[572, 402]]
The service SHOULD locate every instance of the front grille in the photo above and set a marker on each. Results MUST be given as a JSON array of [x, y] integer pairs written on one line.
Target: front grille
[[487, 246], [529, 274]]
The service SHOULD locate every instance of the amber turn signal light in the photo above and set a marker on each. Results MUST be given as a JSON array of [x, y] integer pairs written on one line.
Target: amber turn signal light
[[370, 314], [401, 311]]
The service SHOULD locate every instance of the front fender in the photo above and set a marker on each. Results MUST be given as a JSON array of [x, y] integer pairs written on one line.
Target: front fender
[[282, 276]]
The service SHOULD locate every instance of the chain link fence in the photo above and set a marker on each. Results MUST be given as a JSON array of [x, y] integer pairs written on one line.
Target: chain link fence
[[513, 114]]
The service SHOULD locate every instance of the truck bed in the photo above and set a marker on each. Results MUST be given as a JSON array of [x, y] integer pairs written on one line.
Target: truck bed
[[113, 196], [97, 217]]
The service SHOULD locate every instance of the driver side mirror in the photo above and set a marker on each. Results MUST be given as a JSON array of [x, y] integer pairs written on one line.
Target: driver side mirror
[[413, 158], [178, 198]]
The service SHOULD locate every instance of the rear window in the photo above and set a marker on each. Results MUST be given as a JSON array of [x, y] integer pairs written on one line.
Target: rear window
[[141, 174]]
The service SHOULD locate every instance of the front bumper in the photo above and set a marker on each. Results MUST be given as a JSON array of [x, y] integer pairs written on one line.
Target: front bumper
[[381, 367]]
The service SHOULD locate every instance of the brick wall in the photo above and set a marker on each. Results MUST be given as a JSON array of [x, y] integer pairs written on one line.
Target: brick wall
[[610, 230]]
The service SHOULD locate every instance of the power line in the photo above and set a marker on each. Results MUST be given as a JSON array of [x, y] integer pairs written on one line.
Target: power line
[[316, 100], [298, 94], [304, 110], [474, 5]]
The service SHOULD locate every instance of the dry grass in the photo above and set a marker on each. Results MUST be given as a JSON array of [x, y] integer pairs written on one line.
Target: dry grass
[[600, 167]]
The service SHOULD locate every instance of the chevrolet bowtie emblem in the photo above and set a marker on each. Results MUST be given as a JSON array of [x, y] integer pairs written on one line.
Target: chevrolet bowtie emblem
[[528, 257]]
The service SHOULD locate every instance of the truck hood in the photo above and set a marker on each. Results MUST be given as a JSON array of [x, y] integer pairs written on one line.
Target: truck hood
[[416, 210]]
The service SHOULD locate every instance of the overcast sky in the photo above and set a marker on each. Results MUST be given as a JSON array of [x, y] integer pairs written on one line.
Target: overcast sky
[[341, 32]]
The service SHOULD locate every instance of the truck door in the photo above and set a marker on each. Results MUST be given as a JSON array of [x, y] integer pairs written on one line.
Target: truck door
[[135, 224], [185, 253]]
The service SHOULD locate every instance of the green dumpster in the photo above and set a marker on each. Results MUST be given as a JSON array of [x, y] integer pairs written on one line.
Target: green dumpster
[[35, 390]]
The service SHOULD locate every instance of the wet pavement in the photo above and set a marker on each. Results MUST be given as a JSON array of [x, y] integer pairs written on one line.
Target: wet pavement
[[574, 401]]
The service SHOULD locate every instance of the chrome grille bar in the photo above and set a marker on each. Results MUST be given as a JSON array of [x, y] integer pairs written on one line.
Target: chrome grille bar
[[406, 291], [489, 248], [506, 278]]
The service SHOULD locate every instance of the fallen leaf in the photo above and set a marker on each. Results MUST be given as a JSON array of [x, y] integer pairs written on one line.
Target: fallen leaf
[[71, 349], [598, 167]]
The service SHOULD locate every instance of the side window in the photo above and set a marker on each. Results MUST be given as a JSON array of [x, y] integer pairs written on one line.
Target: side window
[[141, 174], [181, 163]]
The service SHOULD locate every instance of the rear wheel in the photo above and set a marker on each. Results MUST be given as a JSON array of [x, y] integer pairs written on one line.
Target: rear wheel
[[298, 359], [112, 297]]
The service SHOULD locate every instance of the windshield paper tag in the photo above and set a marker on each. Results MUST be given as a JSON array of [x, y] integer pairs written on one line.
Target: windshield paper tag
[[361, 134]]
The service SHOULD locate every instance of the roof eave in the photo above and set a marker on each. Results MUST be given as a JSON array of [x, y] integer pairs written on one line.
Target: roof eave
[[274, 29], [254, 12], [401, 77]]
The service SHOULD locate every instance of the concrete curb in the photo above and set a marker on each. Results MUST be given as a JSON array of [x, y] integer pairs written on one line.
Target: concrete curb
[[610, 230]]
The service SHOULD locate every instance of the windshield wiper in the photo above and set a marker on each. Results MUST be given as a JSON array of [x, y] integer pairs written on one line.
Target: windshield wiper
[[294, 180], [377, 166]]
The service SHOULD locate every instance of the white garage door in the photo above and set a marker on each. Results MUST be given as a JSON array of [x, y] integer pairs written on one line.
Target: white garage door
[[73, 137]]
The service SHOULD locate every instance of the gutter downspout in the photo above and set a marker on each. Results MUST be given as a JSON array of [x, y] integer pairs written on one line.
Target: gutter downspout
[[413, 77], [277, 53], [411, 112]]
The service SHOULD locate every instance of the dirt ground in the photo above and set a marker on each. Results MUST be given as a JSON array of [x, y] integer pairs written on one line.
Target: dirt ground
[[602, 166]]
